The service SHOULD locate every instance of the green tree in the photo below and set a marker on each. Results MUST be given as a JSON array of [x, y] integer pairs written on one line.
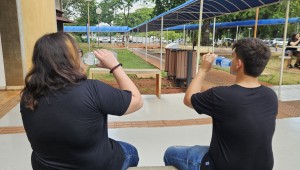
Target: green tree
[[78, 11], [172, 35], [125, 6], [139, 16], [108, 11], [162, 6]]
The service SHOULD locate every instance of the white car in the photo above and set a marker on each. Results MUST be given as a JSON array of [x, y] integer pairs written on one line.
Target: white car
[[268, 42], [278, 42], [224, 42], [119, 40], [104, 40]]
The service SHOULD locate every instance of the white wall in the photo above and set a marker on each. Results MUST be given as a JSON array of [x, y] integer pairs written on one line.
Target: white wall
[[2, 73]]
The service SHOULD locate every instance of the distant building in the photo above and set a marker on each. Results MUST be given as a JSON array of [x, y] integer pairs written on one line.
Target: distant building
[[59, 16], [22, 22]]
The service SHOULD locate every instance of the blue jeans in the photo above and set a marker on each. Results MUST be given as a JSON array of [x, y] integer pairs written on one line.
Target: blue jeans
[[185, 157], [131, 155]]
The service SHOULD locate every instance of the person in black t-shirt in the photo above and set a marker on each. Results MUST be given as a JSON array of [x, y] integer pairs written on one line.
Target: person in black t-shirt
[[294, 41], [243, 115], [65, 115]]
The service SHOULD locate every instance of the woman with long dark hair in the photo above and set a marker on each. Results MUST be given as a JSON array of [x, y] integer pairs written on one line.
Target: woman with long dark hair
[[294, 41], [65, 114]]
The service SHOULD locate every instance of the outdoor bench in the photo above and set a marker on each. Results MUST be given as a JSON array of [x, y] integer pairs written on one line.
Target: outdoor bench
[[157, 72], [286, 60]]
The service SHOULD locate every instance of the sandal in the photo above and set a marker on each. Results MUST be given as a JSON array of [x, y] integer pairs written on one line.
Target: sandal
[[296, 65]]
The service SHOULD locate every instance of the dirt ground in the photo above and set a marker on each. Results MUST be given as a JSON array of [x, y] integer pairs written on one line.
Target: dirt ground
[[147, 85]]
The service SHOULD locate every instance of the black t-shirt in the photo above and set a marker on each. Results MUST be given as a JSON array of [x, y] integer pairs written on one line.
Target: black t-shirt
[[68, 130], [291, 49], [243, 127]]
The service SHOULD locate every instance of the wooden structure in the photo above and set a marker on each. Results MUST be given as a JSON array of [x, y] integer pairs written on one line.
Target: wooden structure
[[178, 64], [157, 72]]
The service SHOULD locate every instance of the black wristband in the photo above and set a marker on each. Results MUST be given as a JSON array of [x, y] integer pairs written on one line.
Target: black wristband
[[113, 69]]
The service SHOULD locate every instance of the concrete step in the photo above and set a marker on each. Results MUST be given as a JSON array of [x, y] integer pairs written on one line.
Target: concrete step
[[153, 168]]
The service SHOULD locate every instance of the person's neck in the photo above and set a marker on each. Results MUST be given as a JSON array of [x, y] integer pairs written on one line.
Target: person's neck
[[247, 81]]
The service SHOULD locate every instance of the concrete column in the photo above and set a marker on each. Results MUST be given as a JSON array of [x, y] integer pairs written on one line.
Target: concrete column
[[2, 74], [11, 45]]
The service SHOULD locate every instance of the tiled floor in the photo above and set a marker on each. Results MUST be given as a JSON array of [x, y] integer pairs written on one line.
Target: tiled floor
[[8, 100], [159, 124]]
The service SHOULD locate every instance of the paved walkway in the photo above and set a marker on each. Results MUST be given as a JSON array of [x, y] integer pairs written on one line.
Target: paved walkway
[[152, 129]]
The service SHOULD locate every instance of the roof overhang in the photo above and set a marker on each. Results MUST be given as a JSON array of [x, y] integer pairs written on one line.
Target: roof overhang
[[189, 12]]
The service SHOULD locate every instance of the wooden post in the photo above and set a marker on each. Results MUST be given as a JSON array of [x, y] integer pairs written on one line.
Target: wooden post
[[256, 22]]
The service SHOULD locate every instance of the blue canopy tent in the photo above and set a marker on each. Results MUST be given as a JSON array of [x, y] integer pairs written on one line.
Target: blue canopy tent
[[190, 10], [195, 10], [97, 29], [246, 23]]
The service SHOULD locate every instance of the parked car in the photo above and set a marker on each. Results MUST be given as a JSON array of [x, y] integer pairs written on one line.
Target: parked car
[[179, 41], [278, 42], [268, 42], [104, 40], [119, 40], [224, 42]]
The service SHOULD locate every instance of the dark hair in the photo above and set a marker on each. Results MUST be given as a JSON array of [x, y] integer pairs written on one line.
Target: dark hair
[[293, 39], [55, 64], [254, 54]]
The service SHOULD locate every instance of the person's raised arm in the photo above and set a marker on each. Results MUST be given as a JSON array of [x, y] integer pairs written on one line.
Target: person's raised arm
[[107, 60], [197, 82], [295, 43]]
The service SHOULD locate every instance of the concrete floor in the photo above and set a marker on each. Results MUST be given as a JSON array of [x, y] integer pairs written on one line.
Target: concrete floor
[[151, 142]]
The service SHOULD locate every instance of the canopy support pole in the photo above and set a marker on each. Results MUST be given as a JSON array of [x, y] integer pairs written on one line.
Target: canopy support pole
[[98, 32], [161, 37], [237, 32], [283, 47], [167, 36], [199, 35], [146, 42], [184, 43], [214, 32], [193, 39], [137, 33], [256, 22], [88, 36]]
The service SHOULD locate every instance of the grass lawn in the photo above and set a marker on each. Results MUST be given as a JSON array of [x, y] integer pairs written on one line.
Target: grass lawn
[[126, 57], [270, 74]]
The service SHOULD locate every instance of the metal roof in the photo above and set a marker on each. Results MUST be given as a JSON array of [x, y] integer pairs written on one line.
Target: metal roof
[[246, 23], [189, 12], [96, 29]]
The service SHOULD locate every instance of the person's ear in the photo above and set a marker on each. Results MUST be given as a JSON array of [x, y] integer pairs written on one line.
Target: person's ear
[[239, 63]]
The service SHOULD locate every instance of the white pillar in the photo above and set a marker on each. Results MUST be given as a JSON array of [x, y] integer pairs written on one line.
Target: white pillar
[[214, 32], [161, 36], [199, 34], [236, 34], [146, 42], [184, 35], [283, 47], [2, 71], [167, 36], [89, 38]]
